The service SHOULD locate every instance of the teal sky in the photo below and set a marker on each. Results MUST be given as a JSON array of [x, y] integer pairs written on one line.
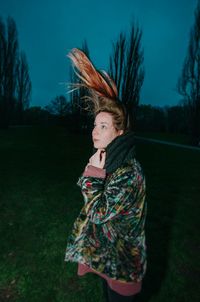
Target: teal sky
[[48, 29]]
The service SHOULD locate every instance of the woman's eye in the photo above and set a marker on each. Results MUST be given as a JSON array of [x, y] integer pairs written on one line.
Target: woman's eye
[[103, 127]]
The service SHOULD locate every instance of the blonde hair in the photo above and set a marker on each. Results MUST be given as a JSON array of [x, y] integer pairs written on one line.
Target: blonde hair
[[103, 94]]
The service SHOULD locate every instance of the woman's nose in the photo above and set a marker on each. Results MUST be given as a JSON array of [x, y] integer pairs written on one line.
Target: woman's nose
[[94, 132]]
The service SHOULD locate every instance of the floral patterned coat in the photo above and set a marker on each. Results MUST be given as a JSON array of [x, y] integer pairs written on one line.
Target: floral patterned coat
[[108, 234]]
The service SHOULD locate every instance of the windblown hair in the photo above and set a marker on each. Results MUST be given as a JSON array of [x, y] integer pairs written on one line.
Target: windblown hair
[[103, 92]]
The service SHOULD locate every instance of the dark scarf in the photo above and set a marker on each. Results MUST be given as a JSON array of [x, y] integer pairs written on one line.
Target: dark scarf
[[120, 150]]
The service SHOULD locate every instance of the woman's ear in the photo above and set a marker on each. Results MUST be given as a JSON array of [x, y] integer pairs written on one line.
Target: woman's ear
[[121, 132]]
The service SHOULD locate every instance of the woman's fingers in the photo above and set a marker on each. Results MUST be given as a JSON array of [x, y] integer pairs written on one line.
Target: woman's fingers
[[98, 159], [103, 157]]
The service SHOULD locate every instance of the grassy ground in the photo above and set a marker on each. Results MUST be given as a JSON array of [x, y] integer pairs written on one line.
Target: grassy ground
[[169, 137], [39, 201]]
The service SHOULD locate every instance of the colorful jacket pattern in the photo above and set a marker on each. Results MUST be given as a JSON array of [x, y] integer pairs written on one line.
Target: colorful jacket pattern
[[108, 234]]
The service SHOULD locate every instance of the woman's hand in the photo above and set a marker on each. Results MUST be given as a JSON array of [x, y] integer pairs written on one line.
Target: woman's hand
[[98, 159]]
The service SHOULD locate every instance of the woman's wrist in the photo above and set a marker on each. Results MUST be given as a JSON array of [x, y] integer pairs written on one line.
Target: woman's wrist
[[93, 171]]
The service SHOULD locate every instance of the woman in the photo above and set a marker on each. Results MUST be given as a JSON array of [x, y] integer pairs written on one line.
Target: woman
[[108, 236]]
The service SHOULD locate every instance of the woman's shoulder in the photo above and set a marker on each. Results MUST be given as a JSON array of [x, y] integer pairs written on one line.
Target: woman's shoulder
[[129, 169]]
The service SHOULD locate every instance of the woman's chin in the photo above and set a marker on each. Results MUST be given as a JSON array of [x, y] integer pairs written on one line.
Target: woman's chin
[[98, 146]]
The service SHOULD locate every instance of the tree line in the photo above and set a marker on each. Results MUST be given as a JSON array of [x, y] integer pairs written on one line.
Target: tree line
[[167, 119]]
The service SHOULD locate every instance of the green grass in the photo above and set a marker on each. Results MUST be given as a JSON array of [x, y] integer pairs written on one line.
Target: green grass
[[169, 137], [39, 201]]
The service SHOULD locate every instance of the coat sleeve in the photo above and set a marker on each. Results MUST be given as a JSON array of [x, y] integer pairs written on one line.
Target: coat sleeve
[[107, 200]]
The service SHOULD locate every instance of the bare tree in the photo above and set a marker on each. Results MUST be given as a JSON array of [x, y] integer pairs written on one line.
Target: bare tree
[[126, 68], [76, 97], [23, 87], [189, 82], [11, 64], [2, 68], [15, 84], [8, 56], [59, 106], [2, 55]]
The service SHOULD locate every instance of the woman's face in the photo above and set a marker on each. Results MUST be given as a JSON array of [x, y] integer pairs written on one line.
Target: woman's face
[[104, 131]]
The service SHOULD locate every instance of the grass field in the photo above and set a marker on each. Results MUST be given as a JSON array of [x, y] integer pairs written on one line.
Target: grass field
[[169, 137], [39, 201]]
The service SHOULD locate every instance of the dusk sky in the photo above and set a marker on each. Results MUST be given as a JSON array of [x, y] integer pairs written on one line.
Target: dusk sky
[[48, 29]]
